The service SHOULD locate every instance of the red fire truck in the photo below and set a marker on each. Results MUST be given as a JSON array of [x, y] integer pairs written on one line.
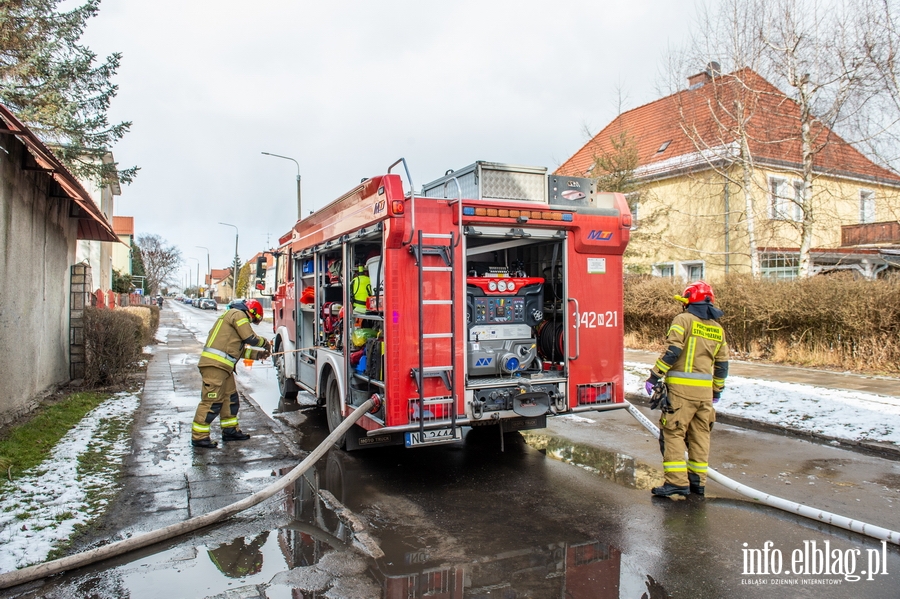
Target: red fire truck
[[492, 296]]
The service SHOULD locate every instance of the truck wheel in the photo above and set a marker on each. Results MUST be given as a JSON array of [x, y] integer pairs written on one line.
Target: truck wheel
[[286, 386], [333, 409]]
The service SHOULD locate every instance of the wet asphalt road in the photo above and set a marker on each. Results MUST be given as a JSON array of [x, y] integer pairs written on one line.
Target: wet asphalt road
[[470, 520]]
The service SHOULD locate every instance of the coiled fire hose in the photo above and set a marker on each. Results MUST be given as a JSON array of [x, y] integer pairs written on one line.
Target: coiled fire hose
[[85, 558], [812, 513]]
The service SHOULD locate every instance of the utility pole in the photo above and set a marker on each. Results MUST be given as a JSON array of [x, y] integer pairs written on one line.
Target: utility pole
[[237, 263], [299, 210], [208, 271]]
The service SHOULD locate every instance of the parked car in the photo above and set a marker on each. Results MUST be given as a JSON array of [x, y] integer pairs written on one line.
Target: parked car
[[208, 304]]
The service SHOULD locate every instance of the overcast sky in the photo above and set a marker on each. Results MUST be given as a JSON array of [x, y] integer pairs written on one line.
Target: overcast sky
[[348, 87]]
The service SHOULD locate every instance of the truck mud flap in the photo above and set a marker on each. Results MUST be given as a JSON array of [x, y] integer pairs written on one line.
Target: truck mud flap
[[524, 424], [356, 439]]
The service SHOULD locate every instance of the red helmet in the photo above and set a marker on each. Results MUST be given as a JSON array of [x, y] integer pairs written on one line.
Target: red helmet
[[255, 309], [698, 291]]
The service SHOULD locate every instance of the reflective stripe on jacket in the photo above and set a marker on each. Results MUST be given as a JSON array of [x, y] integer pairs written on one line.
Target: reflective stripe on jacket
[[227, 338], [696, 360]]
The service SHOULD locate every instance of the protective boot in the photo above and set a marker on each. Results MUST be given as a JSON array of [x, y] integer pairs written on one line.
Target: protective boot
[[669, 489], [696, 487], [234, 434], [204, 443]]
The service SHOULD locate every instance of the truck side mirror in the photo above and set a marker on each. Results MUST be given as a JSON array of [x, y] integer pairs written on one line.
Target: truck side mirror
[[261, 273]]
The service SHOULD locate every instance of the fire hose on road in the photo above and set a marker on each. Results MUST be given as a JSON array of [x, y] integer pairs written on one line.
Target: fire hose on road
[[79, 560], [806, 511]]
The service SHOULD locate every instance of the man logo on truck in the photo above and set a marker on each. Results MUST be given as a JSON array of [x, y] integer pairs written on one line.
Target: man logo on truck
[[600, 235]]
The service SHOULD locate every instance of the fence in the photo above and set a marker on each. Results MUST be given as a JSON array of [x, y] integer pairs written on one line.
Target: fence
[[111, 299]]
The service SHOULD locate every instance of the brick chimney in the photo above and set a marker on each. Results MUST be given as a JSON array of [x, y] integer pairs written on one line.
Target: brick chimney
[[703, 77], [699, 80]]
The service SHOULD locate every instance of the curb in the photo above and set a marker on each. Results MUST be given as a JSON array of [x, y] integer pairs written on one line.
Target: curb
[[876, 448], [282, 431]]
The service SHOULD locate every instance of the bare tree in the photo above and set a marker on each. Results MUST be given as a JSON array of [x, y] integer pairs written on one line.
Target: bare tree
[[799, 71], [721, 133], [160, 260], [876, 120]]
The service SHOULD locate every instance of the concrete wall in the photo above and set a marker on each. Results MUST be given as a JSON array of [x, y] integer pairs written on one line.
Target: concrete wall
[[38, 241]]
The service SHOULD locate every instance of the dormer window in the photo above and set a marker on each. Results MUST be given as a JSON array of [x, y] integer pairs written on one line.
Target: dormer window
[[663, 147]]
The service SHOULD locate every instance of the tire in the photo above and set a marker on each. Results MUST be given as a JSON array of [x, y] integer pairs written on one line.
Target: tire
[[286, 386], [333, 409]]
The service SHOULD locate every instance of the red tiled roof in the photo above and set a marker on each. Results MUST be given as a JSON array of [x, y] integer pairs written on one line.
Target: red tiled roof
[[219, 274], [123, 225], [707, 112], [92, 224]]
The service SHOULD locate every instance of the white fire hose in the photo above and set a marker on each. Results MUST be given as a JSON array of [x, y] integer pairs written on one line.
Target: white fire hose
[[812, 513], [78, 560]]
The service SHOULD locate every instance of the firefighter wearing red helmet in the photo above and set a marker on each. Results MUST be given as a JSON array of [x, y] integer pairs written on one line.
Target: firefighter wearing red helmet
[[693, 367], [230, 340]]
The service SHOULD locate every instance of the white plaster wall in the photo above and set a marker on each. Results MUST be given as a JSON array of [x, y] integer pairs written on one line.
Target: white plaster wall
[[38, 241]]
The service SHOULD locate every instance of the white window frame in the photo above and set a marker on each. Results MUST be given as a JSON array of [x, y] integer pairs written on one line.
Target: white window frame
[[686, 270], [664, 269], [785, 199], [866, 206], [780, 265]]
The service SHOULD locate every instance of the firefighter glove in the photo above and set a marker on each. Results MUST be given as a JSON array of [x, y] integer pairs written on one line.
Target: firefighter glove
[[716, 396], [659, 398]]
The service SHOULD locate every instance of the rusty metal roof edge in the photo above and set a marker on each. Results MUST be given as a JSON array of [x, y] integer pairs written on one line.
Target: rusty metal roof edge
[[46, 159]]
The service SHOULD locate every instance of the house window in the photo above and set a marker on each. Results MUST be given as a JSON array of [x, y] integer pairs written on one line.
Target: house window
[[692, 271], [780, 266], [786, 199], [666, 270], [866, 206]]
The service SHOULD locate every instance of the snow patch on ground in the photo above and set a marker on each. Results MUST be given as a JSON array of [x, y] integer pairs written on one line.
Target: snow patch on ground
[[576, 418], [42, 508], [850, 415]]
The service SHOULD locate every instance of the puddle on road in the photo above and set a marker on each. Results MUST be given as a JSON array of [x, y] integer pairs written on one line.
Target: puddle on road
[[617, 467], [433, 541]]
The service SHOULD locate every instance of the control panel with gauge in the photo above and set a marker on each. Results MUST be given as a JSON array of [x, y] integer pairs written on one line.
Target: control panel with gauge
[[501, 312], [508, 300]]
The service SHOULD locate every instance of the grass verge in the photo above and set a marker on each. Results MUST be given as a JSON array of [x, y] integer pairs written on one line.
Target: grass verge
[[27, 445]]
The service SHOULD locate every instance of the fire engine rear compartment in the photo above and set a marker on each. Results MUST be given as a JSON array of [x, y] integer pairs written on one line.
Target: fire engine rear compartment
[[455, 319], [513, 362]]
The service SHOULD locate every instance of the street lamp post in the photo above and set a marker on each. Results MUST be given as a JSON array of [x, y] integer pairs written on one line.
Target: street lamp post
[[208, 272], [198, 273], [234, 273], [299, 210]]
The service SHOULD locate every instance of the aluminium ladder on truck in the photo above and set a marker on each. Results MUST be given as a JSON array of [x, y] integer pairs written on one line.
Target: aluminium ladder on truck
[[442, 245]]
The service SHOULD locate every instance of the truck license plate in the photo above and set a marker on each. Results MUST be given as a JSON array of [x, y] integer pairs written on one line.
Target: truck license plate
[[432, 437]]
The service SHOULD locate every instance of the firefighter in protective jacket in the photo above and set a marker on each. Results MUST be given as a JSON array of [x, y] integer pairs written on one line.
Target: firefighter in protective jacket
[[694, 368], [229, 340]]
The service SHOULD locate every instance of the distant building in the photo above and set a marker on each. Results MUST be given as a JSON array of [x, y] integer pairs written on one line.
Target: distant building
[[689, 206], [219, 280], [121, 252], [97, 253]]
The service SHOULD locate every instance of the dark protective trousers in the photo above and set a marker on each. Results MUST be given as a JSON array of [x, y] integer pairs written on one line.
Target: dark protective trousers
[[219, 399], [686, 428]]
